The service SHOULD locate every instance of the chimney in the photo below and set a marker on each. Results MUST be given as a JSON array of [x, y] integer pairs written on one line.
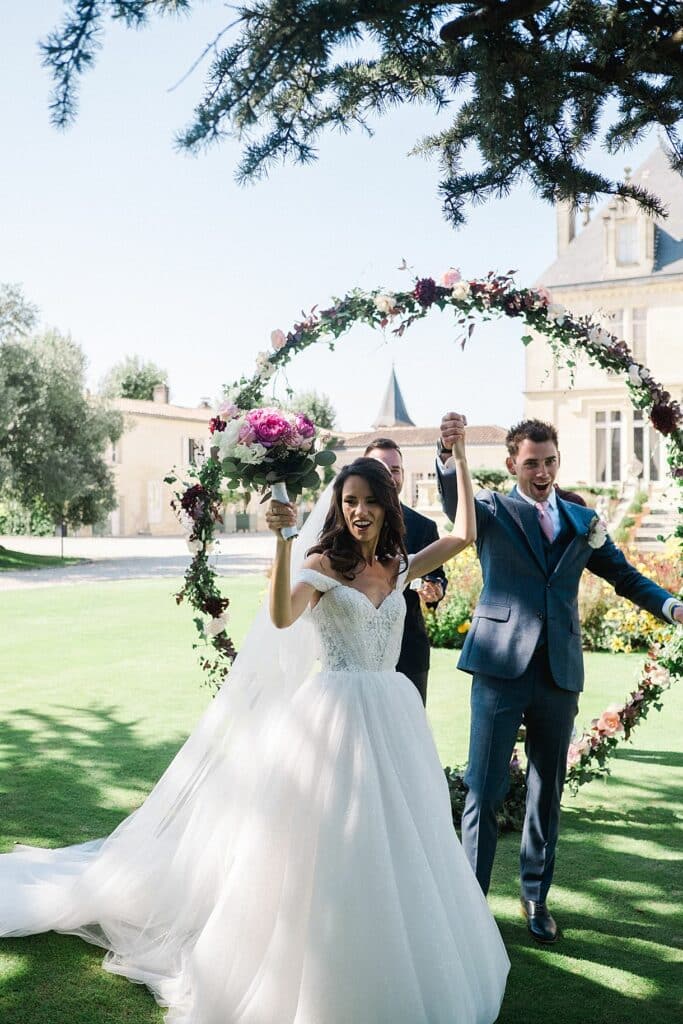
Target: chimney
[[160, 394], [566, 224]]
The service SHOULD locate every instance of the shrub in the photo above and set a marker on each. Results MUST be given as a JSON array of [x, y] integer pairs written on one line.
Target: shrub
[[610, 623], [510, 816], [447, 626]]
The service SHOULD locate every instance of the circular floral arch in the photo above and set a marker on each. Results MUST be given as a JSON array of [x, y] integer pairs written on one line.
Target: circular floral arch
[[199, 504]]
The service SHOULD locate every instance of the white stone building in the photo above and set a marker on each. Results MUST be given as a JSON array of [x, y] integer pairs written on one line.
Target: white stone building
[[625, 268]]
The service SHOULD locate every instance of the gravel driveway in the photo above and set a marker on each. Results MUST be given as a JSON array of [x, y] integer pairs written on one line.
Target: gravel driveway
[[130, 558]]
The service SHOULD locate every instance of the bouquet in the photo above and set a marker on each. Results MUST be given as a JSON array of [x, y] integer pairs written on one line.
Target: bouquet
[[268, 450]]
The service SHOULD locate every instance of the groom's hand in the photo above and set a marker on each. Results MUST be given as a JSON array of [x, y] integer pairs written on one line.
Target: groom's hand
[[431, 591], [452, 432], [677, 614]]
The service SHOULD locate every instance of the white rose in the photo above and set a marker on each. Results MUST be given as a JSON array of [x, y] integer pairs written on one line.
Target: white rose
[[215, 626], [249, 454], [194, 546], [597, 533], [660, 676], [461, 290], [557, 312], [385, 303], [597, 336], [634, 374], [264, 366], [227, 439]]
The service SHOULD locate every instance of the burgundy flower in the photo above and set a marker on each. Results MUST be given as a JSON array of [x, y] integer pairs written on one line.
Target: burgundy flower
[[513, 304], [192, 500], [215, 606], [217, 424], [425, 291], [665, 417]]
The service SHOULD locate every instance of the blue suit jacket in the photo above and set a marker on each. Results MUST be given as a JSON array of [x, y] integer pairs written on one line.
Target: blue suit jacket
[[521, 597], [420, 532]]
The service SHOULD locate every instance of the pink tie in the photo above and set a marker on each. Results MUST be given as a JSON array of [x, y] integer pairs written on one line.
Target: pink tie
[[545, 520]]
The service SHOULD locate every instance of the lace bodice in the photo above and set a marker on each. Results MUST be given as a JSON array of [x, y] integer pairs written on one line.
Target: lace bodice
[[353, 634]]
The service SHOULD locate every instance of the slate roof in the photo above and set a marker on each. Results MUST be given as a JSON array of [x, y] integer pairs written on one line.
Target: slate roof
[[420, 437], [393, 412], [583, 262]]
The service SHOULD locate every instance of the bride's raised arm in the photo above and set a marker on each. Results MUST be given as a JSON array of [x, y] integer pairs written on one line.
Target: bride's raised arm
[[287, 603], [464, 528]]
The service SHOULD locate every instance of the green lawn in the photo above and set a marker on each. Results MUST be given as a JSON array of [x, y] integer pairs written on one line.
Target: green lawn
[[99, 685], [10, 559]]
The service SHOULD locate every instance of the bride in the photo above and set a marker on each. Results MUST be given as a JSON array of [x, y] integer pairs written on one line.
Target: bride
[[296, 863]]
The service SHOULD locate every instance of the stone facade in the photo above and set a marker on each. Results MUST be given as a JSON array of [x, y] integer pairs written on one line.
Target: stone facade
[[157, 437], [626, 269]]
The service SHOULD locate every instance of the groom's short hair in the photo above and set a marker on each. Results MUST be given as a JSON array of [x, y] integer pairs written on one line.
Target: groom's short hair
[[529, 430], [385, 444]]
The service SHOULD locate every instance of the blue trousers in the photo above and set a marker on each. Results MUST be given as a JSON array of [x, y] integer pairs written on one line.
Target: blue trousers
[[498, 708]]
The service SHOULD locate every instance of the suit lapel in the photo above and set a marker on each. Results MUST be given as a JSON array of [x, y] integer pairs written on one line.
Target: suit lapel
[[525, 517], [578, 522]]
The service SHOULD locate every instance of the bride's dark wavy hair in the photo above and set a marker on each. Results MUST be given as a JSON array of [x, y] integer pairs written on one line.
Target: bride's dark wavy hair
[[335, 540]]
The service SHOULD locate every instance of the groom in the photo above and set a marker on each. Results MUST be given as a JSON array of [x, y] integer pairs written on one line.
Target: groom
[[420, 531], [524, 647]]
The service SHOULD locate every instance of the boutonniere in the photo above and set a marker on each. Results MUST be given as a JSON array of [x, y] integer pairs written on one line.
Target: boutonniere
[[597, 533]]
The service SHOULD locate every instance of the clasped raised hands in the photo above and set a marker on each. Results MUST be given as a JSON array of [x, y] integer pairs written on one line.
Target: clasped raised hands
[[453, 432]]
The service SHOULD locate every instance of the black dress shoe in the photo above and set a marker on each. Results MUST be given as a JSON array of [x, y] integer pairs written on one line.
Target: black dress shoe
[[539, 921]]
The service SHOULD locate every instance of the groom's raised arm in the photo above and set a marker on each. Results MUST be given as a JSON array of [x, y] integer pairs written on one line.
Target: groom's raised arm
[[451, 424]]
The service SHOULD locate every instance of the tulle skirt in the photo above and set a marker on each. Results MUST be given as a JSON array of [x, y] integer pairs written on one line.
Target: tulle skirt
[[300, 867]]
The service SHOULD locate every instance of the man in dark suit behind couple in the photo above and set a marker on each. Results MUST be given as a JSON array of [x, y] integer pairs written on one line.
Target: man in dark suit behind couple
[[420, 531], [524, 647]]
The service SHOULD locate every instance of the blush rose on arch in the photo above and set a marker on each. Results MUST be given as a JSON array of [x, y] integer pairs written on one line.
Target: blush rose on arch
[[471, 301]]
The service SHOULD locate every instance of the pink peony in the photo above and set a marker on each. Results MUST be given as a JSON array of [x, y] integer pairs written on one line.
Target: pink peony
[[543, 296], [269, 425], [450, 278], [278, 339], [304, 425]]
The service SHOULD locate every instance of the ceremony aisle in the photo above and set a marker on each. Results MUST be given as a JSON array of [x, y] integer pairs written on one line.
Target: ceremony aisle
[[99, 687]]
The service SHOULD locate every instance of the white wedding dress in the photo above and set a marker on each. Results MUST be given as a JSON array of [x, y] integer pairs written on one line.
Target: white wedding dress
[[297, 862]]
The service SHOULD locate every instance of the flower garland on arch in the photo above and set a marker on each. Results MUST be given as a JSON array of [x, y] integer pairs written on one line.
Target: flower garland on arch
[[199, 503]]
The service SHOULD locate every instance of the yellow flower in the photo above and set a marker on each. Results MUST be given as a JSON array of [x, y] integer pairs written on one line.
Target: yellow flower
[[464, 626]]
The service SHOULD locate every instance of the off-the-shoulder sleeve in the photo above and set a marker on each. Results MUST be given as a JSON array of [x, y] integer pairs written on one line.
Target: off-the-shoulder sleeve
[[316, 579]]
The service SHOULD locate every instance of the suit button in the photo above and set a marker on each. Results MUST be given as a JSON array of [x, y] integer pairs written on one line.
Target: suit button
[[540, 615], [547, 586]]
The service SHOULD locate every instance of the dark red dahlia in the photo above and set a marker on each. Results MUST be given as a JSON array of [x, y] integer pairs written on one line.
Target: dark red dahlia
[[665, 417], [425, 291], [192, 500], [513, 304], [215, 606], [217, 424]]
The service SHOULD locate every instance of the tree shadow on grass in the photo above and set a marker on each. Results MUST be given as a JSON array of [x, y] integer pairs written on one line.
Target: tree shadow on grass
[[66, 779], [617, 898]]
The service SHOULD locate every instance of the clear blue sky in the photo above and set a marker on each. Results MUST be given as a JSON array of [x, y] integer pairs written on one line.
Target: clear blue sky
[[135, 248]]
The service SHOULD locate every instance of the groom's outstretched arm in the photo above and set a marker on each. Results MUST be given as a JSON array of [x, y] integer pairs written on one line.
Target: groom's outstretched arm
[[611, 564]]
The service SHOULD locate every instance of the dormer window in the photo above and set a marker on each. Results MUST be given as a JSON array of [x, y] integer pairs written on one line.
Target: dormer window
[[627, 243]]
